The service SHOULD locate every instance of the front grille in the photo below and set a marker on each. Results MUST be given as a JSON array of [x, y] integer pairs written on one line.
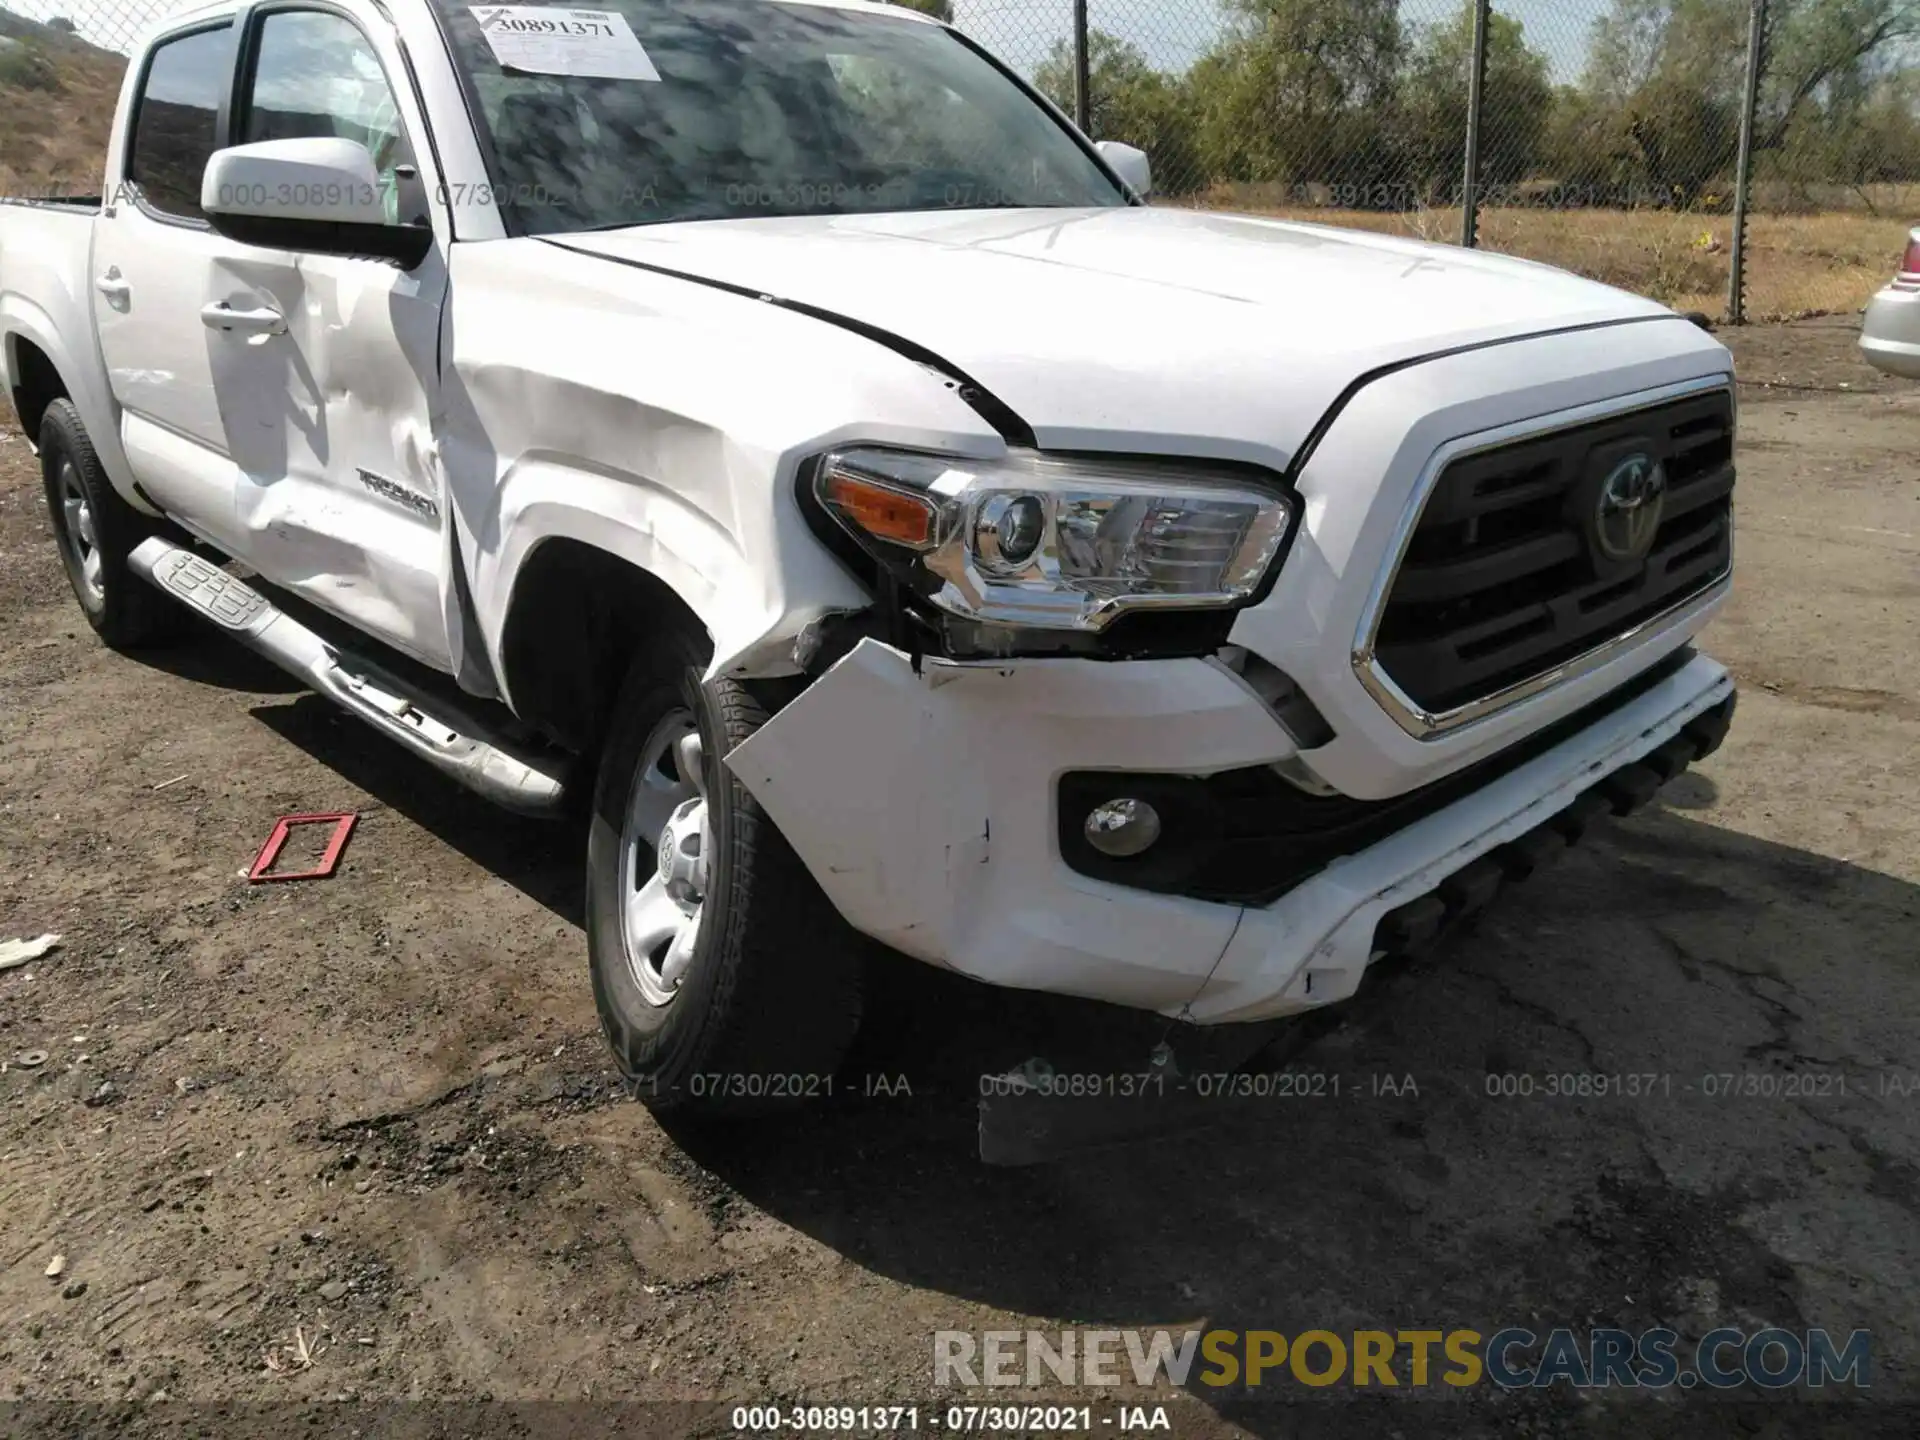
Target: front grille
[[1504, 577]]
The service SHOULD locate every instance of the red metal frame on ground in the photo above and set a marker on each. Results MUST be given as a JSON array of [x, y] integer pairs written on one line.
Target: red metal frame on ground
[[342, 823]]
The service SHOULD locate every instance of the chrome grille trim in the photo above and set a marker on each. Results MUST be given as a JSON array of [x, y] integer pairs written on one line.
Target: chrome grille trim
[[1423, 724]]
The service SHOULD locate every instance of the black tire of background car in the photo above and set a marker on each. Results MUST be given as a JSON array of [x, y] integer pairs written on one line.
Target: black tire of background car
[[130, 613], [772, 1000]]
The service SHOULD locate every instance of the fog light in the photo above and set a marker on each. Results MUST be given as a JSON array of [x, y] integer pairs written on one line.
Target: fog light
[[1123, 828]]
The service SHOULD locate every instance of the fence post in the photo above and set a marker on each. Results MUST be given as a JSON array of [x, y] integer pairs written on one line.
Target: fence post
[[1743, 168], [1082, 71], [1476, 84]]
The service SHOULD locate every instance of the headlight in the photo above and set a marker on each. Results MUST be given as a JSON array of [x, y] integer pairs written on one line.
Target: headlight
[[1056, 544]]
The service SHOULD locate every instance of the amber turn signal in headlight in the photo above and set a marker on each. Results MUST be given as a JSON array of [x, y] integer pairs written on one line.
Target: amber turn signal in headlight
[[880, 510]]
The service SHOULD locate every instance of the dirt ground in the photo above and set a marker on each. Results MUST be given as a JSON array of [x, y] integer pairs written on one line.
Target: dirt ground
[[358, 1139]]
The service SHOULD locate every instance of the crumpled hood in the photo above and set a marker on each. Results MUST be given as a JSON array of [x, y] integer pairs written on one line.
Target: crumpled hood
[[1162, 329]]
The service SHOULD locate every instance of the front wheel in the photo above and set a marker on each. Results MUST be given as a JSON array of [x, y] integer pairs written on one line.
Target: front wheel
[[726, 982]]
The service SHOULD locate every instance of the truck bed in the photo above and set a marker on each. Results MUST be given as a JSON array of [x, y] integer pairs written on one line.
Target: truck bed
[[46, 301]]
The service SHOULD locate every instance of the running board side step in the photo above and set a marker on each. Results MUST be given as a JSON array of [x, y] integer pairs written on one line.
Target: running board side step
[[453, 743]]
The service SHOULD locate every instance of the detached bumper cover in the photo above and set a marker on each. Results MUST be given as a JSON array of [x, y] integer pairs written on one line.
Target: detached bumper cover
[[925, 807], [1398, 895]]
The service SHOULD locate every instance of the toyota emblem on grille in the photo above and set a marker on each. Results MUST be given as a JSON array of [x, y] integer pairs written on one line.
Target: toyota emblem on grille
[[1627, 514]]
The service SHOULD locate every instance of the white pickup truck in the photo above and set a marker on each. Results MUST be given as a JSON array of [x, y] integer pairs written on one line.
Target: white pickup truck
[[773, 425]]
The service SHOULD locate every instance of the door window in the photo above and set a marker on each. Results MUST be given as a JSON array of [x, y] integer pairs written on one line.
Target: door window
[[173, 123], [317, 76]]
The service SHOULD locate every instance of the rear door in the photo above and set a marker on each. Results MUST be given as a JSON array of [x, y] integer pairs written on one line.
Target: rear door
[[329, 418], [153, 256]]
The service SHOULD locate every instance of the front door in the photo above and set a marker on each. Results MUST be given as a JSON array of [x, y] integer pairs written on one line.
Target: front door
[[327, 402]]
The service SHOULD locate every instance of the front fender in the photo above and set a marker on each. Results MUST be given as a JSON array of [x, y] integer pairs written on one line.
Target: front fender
[[664, 422], [752, 606]]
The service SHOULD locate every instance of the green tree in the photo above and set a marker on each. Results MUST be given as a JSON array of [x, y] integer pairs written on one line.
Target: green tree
[[1699, 43], [939, 9], [1130, 101], [1302, 91], [1516, 98], [1838, 108], [1824, 54], [1661, 96], [1881, 144], [1663, 89]]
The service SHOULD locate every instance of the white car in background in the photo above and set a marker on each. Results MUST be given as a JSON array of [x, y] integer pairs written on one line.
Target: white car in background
[[1890, 334]]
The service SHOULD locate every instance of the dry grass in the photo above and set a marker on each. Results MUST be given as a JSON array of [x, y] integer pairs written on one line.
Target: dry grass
[[1796, 264], [53, 138]]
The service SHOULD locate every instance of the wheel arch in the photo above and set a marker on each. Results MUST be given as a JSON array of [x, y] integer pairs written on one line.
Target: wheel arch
[[43, 366], [566, 553], [36, 382], [575, 617]]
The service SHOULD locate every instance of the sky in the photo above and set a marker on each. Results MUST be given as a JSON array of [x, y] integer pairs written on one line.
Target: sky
[[1172, 33]]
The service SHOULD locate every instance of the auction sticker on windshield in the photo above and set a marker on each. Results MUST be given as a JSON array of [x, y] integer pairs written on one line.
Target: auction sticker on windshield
[[592, 44]]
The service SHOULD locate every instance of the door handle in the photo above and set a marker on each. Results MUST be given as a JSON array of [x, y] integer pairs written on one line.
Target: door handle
[[112, 286], [264, 321]]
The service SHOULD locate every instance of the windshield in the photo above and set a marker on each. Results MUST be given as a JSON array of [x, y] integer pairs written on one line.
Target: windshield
[[648, 111]]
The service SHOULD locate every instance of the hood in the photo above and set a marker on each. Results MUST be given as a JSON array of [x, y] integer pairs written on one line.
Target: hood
[[1158, 329]]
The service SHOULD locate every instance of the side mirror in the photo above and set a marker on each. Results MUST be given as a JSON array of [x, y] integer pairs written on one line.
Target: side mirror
[[319, 194], [1130, 164]]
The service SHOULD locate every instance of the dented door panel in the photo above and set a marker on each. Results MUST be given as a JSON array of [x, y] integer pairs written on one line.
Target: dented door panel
[[339, 493]]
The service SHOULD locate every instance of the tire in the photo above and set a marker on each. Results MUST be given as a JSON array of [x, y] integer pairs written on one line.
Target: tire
[[768, 1002], [96, 530]]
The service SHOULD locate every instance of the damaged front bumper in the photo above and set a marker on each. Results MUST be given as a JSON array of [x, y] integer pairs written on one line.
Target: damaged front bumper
[[925, 802]]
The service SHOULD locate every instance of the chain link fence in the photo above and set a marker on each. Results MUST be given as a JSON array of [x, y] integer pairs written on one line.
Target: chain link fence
[[1605, 135], [60, 71]]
